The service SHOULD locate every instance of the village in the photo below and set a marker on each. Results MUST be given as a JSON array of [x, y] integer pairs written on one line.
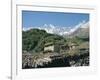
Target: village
[[56, 55]]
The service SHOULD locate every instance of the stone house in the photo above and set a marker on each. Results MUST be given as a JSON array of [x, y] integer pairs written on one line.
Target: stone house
[[72, 46], [58, 47], [51, 47]]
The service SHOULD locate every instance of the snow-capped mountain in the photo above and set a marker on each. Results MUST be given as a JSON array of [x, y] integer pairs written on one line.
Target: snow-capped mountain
[[55, 29], [63, 31], [80, 30]]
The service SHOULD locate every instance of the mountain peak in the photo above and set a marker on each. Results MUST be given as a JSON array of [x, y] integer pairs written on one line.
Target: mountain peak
[[63, 31]]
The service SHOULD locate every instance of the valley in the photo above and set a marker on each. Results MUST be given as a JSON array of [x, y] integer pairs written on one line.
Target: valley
[[41, 49]]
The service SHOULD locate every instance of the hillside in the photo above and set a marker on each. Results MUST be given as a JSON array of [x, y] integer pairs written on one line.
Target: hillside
[[34, 39]]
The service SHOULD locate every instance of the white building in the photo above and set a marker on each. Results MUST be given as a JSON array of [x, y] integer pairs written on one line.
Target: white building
[[49, 47]]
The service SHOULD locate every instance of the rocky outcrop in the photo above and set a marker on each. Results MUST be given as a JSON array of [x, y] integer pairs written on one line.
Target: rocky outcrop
[[57, 60]]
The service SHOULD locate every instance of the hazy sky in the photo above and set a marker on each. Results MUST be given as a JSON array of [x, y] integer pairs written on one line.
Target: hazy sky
[[33, 18]]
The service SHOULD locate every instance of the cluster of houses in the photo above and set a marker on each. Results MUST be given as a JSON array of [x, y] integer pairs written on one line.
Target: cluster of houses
[[59, 47], [33, 61]]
